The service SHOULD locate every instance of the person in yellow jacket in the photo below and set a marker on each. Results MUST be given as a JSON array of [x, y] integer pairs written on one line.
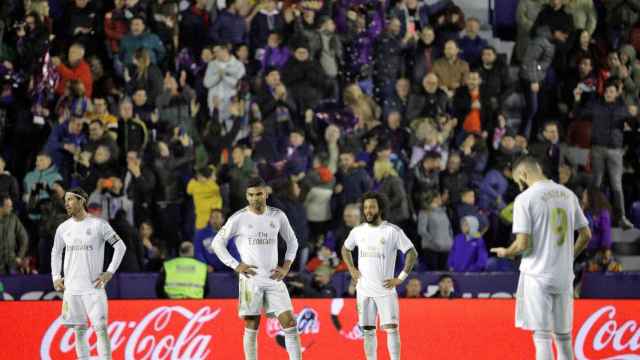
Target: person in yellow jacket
[[206, 195], [183, 277]]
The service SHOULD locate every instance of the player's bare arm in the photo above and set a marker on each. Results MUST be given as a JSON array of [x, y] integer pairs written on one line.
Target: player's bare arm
[[281, 271], [409, 262], [348, 259], [584, 236], [58, 284], [519, 245]]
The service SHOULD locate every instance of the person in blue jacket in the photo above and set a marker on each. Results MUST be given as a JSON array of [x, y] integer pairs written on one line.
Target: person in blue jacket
[[468, 253], [202, 243]]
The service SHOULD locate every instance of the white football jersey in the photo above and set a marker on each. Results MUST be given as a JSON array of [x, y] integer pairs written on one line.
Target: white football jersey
[[83, 243], [550, 213], [377, 250], [256, 237]]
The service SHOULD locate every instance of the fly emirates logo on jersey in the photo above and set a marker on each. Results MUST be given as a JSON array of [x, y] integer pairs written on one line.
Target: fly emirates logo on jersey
[[166, 332], [603, 335]]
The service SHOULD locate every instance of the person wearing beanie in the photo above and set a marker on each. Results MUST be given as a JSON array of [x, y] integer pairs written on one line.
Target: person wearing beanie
[[469, 253]]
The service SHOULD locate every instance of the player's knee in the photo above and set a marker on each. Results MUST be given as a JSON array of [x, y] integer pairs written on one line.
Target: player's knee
[[542, 335], [369, 328], [563, 336], [390, 328], [252, 322]]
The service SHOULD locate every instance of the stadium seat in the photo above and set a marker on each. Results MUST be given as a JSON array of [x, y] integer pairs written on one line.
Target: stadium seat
[[629, 263]]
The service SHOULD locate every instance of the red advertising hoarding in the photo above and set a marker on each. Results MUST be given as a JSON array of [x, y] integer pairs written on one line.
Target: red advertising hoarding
[[210, 329]]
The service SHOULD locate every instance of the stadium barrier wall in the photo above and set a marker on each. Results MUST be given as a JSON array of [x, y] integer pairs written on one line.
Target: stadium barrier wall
[[210, 329], [225, 285]]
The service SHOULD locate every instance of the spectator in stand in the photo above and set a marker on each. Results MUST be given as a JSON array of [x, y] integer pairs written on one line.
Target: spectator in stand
[[37, 182], [391, 185], [472, 43], [351, 217], [435, 232], [424, 178], [194, 26], [65, 142], [413, 290], [139, 184], [399, 100], [448, 23], [621, 17], [94, 166], [170, 192], [526, 14], [352, 182], [609, 115], [423, 57], [430, 101], [267, 21], [237, 174], [454, 180], [496, 83], [134, 257], [54, 213], [304, 77], [183, 277], [204, 237], [145, 75], [276, 54], [132, 134], [550, 151], [101, 112], [81, 23], [175, 105], [153, 249], [206, 195], [597, 209], [536, 63], [8, 183], [388, 58], [78, 69], [446, 289], [229, 27], [321, 286], [139, 38], [583, 13], [223, 75], [326, 257], [467, 207], [15, 240], [584, 78], [468, 253], [98, 136], [495, 188], [451, 70], [554, 16], [471, 106], [286, 197], [116, 27], [108, 200]]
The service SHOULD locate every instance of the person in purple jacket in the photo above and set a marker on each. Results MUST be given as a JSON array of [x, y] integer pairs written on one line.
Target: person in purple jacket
[[468, 253], [598, 211]]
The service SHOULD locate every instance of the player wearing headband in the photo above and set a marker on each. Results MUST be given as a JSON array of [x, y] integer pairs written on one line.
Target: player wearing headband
[[82, 237]]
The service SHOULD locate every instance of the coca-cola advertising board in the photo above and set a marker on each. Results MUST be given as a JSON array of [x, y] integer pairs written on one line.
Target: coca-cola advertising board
[[210, 329]]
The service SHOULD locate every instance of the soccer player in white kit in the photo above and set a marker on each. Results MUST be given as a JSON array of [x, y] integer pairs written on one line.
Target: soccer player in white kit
[[545, 217], [378, 242], [256, 229], [82, 237]]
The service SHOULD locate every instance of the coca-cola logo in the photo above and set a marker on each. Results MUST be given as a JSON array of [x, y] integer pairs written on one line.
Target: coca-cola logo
[[167, 332], [603, 337]]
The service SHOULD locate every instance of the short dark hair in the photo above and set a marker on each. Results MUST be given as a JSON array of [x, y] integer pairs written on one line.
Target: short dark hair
[[551, 123], [80, 192], [445, 276], [256, 181], [527, 161], [204, 171], [611, 82], [379, 198]]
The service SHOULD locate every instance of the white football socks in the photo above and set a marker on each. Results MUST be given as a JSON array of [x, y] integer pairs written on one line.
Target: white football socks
[[104, 345], [393, 343], [370, 344], [82, 343], [292, 343], [563, 344], [250, 344], [543, 343]]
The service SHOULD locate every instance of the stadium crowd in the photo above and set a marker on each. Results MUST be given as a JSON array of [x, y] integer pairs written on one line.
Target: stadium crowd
[[162, 110]]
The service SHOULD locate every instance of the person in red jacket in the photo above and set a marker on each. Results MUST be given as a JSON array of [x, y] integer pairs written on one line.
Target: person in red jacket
[[78, 69]]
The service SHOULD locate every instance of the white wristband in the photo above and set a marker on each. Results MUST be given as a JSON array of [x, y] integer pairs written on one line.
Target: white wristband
[[403, 275]]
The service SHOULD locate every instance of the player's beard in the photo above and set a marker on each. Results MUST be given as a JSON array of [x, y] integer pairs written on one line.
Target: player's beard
[[372, 219]]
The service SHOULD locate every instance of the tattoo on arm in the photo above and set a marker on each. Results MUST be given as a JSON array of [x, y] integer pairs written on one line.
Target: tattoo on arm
[[410, 260], [347, 257]]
